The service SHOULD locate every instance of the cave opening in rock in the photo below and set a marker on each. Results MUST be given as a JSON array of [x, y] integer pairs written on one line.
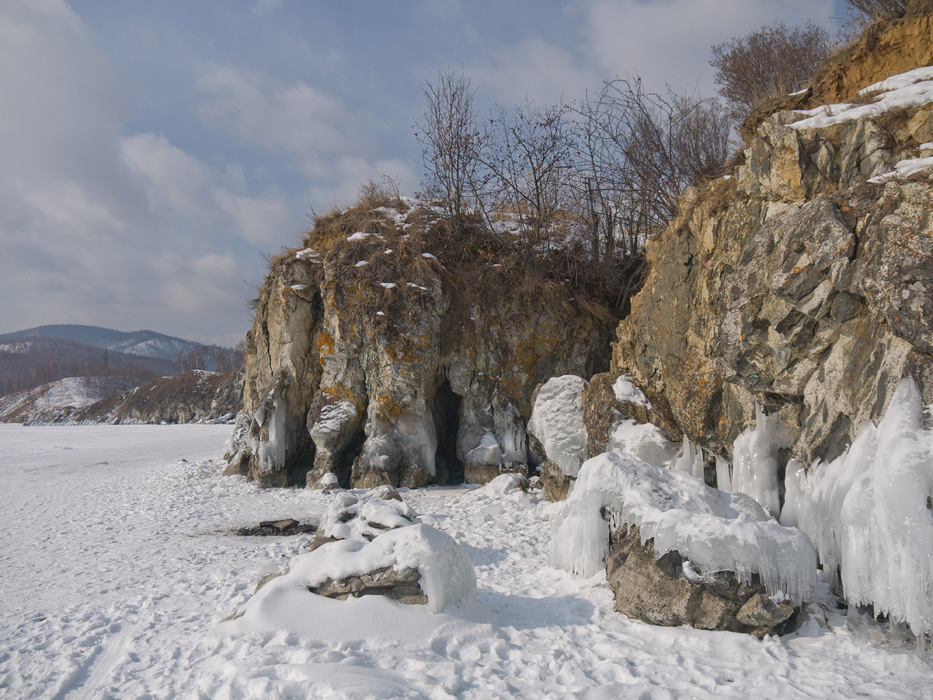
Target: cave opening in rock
[[343, 460], [448, 467]]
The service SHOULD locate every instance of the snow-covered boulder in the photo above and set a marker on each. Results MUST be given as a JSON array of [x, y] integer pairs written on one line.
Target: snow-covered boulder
[[679, 552], [557, 424], [417, 564], [363, 518]]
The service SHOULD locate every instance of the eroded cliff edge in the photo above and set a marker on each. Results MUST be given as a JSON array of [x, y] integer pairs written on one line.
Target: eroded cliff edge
[[393, 350]]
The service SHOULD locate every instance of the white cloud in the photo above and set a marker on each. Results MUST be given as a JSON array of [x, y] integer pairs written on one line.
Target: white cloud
[[103, 228], [263, 7], [668, 41], [296, 119], [533, 68], [184, 190]]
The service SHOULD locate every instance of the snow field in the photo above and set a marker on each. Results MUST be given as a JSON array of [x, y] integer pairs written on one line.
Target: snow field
[[118, 566]]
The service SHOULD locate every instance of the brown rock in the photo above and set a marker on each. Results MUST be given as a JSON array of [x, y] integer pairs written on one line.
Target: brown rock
[[401, 586], [660, 592]]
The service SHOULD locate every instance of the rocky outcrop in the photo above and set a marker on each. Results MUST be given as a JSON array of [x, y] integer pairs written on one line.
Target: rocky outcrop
[[384, 354], [667, 591], [803, 282]]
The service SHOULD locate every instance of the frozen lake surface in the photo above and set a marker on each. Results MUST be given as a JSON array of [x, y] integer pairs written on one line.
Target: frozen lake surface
[[118, 563]]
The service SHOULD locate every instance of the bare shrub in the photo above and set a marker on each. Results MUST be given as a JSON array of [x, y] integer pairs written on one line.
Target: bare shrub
[[527, 154], [879, 9], [451, 142], [637, 152], [768, 62]]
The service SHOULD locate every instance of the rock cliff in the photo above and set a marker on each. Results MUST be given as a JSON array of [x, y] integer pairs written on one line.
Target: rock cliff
[[391, 350], [802, 281]]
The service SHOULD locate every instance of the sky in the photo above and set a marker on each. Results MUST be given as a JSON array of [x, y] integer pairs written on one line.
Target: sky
[[152, 152]]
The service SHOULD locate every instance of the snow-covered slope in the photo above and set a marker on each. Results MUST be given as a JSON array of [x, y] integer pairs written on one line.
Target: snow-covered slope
[[119, 563], [57, 400]]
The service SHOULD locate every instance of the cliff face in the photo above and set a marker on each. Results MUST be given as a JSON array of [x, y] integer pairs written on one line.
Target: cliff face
[[803, 281], [388, 355]]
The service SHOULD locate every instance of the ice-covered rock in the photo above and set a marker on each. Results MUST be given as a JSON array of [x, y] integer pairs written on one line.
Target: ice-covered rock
[[557, 421], [714, 530], [425, 378]]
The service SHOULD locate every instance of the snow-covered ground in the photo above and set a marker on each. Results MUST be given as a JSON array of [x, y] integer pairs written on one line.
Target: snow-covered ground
[[118, 564]]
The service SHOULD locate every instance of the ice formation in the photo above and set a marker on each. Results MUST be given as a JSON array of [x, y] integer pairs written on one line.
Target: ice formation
[[271, 451], [868, 512], [557, 421], [756, 461], [691, 460], [714, 530], [644, 440]]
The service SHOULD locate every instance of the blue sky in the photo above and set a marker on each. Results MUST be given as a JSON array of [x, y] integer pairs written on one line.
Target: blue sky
[[152, 151]]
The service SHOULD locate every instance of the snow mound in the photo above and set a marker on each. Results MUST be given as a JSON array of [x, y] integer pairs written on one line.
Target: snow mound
[[911, 89], [626, 392], [714, 530], [447, 576], [869, 512], [557, 421], [644, 440]]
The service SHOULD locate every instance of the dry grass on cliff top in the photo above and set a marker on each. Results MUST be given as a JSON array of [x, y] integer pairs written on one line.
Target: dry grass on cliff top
[[884, 48], [408, 249]]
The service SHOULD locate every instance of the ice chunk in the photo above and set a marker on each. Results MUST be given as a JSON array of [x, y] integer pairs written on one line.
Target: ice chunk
[[714, 530], [723, 474], [626, 392], [756, 460], [557, 421], [487, 452], [643, 440]]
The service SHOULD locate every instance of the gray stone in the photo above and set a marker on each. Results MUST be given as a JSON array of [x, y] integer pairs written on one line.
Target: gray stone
[[661, 592]]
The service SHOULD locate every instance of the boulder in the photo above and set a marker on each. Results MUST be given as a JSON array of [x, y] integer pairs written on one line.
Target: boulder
[[401, 586], [668, 592]]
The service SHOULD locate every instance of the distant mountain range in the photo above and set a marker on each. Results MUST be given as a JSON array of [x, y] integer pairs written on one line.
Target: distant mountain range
[[36, 356], [143, 343]]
